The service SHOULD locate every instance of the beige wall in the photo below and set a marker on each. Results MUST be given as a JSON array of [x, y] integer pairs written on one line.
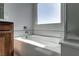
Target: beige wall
[[20, 14]]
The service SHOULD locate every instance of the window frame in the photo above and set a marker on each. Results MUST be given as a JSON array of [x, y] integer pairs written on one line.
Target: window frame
[[46, 23]]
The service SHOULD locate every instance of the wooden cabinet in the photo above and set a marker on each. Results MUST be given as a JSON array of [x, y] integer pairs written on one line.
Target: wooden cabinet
[[6, 38]]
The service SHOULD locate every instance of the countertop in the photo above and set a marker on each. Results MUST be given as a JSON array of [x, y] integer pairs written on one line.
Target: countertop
[[7, 22]]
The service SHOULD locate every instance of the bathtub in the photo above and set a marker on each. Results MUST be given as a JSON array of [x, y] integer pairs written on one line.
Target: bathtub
[[42, 44]]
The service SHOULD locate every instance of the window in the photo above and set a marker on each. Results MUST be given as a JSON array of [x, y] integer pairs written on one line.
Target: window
[[48, 13]]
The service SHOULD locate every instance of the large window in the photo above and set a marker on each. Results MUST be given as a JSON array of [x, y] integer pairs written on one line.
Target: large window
[[48, 13]]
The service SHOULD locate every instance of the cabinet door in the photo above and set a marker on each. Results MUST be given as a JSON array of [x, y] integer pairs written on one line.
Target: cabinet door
[[5, 43], [1, 45]]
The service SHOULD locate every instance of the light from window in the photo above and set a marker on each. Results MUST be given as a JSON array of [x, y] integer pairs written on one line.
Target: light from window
[[48, 13]]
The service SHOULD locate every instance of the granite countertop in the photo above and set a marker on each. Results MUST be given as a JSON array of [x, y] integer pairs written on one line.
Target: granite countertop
[[6, 22]]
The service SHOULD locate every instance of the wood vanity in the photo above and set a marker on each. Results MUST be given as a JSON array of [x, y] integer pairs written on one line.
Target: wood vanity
[[6, 38]]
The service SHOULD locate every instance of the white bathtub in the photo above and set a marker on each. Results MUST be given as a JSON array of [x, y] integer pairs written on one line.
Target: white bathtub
[[49, 43]]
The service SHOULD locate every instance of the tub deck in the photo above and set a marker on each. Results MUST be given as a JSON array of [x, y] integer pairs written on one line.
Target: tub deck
[[37, 47]]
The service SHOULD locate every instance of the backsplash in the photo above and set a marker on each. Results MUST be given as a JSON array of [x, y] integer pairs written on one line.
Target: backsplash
[[21, 32]]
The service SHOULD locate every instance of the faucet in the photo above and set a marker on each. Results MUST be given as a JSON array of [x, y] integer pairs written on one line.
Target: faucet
[[26, 31]]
